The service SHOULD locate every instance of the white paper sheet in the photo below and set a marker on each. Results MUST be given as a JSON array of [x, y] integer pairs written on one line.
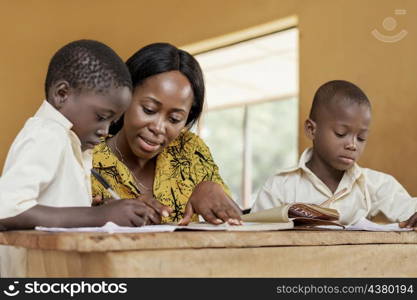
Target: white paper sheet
[[111, 227], [247, 226]]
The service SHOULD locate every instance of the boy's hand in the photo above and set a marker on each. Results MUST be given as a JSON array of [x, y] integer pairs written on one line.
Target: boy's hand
[[129, 212], [211, 202], [148, 199], [411, 222]]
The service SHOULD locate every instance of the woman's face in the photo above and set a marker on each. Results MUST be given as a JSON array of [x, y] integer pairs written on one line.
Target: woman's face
[[158, 112]]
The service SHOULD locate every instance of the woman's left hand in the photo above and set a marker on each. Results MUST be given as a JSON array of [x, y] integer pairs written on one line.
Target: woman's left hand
[[411, 222], [213, 204]]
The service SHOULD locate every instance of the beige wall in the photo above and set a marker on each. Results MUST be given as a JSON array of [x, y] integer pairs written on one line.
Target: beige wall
[[335, 43]]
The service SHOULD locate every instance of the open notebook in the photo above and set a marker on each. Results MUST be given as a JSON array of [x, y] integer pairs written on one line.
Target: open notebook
[[307, 216]]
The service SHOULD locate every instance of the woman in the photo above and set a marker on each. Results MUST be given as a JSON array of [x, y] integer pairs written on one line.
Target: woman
[[152, 154]]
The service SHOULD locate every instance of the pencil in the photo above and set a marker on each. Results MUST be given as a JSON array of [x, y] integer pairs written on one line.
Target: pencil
[[105, 184]]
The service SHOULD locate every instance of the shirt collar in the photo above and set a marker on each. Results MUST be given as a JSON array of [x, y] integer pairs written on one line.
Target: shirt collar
[[47, 111]]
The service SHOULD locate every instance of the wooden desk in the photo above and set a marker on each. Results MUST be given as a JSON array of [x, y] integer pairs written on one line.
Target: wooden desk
[[291, 253]]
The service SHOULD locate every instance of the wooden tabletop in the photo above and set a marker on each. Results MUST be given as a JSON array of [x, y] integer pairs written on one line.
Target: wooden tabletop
[[88, 242]]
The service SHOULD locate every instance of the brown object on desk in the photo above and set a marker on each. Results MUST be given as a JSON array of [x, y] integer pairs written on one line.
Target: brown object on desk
[[288, 253], [303, 214], [312, 211]]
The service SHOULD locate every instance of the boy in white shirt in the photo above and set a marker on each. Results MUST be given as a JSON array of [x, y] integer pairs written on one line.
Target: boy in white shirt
[[46, 176], [338, 126]]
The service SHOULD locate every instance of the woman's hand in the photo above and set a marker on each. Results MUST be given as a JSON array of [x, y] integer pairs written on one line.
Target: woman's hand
[[212, 203], [159, 208], [411, 222], [97, 200]]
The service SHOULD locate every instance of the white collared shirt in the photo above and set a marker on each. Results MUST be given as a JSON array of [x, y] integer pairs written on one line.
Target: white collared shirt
[[361, 192], [45, 166]]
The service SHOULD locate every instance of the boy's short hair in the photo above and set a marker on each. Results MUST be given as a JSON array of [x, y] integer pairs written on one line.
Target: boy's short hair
[[337, 90], [88, 65]]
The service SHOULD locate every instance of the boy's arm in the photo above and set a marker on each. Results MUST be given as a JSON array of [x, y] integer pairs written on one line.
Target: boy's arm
[[49, 216], [389, 197], [31, 166], [128, 212]]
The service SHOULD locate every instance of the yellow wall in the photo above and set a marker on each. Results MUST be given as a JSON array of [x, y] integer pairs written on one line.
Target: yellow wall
[[335, 43]]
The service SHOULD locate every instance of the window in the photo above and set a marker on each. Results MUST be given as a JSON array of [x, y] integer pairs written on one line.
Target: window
[[251, 118]]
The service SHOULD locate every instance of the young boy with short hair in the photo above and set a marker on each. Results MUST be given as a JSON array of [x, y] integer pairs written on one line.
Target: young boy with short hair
[[46, 176], [338, 126]]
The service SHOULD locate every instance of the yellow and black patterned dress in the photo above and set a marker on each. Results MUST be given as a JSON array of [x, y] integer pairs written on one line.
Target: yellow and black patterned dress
[[183, 164]]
